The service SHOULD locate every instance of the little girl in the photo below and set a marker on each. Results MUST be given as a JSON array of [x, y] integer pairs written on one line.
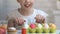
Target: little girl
[[26, 14]]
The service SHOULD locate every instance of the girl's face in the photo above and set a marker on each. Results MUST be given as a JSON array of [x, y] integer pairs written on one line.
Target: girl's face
[[26, 4]]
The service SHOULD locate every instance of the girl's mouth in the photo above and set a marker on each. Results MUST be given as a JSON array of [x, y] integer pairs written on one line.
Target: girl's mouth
[[27, 5]]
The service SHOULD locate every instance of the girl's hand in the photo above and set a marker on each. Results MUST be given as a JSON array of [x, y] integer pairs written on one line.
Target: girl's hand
[[40, 19], [20, 21]]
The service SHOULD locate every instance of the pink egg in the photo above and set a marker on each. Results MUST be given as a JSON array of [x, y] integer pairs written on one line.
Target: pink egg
[[32, 25]]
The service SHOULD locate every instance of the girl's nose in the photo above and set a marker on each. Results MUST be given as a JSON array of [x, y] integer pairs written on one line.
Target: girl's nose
[[27, 0]]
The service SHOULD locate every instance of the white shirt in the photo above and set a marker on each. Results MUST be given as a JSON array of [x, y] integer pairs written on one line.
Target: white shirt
[[29, 19]]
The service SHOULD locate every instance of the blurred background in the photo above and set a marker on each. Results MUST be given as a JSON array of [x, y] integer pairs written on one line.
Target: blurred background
[[51, 7]]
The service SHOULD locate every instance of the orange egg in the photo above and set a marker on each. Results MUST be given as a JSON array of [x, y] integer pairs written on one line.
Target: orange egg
[[51, 25]]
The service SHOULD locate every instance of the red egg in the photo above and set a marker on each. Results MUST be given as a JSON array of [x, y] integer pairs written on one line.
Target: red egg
[[2, 31]]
